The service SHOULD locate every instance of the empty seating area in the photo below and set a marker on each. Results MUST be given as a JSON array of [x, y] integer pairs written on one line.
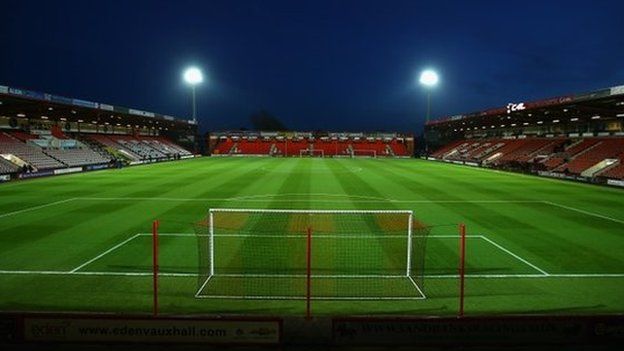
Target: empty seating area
[[140, 147], [399, 148], [50, 152], [253, 147], [526, 148], [77, 157], [165, 146], [143, 150], [600, 150], [293, 147], [7, 167], [223, 146], [31, 154], [364, 146], [615, 172], [331, 147], [549, 154], [324, 145], [106, 141]]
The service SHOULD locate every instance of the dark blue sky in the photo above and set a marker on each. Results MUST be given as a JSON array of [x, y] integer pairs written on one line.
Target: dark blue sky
[[336, 65]]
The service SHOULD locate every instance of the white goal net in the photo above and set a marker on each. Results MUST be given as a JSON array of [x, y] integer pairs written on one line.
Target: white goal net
[[313, 254]]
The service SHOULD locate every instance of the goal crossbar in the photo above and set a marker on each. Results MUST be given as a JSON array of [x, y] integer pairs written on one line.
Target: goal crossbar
[[271, 210]]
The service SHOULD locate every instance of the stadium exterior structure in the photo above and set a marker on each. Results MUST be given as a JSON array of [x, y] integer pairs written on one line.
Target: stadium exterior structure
[[44, 134], [576, 137]]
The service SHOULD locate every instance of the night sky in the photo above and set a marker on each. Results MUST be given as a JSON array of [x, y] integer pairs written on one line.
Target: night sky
[[331, 65]]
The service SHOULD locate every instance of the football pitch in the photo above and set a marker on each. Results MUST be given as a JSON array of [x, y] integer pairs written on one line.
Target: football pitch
[[82, 242]]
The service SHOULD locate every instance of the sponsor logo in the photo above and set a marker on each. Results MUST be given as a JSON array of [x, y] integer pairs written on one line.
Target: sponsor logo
[[50, 329], [511, 107]]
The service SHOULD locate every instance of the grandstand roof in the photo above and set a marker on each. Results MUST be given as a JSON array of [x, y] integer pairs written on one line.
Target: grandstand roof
[[604, 104], [22, 103]]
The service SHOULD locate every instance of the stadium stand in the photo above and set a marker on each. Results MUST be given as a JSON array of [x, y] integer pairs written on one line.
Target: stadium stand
[[144, 150], [224, 146], [30, 154], [398, 148], [596, 156], [326, 146], [444, 151], [293, 147], [105, 141], [616, 171], [252, 147], [599, 150], [140, 147], [77, 157], [7, 167], [526, 148], [46, 151], [165, 146], [364, 146]]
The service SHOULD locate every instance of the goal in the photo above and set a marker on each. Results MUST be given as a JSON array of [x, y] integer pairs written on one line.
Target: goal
[[311, 254], [364, 153], [311, 153]]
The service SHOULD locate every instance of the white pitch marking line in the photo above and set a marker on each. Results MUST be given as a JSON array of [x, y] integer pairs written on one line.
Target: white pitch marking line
[[584, 212], [304, 201], [104, 253], [328, 276], [275, 210], [310, 194], [198, 293], [36, 207], [263, 297], [516, 256], [417, 288], [316, 236], [432, 276]]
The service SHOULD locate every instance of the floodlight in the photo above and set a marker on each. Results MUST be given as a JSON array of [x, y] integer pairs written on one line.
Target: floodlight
[[428, 78], [193, 76]]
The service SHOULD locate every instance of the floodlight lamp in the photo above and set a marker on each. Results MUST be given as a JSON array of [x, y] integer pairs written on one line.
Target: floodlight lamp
[[428, 78], [193, 76]]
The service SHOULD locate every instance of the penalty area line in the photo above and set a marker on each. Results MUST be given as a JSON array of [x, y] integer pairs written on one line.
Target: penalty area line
[[37, 207], [104, 253], [514, 255], [249, 199], [584, 212]]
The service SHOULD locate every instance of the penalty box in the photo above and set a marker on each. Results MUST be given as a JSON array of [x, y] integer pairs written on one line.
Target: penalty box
[[178, 257]]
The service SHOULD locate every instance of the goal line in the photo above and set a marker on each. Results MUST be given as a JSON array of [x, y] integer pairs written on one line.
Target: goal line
[[418, 294]]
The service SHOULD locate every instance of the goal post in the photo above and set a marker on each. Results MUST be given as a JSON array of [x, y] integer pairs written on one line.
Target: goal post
[[312, 153], [311, 254]]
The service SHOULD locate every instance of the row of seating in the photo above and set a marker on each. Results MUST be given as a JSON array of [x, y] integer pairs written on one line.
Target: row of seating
[[7, 167], [140, 147], [554, 154], [77, 157], [45, 152], [294, 147], [31, 154], [601, 150]]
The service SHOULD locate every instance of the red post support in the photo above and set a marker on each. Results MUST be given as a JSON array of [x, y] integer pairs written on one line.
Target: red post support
[[155, 265], [309, 273], [462, 266]]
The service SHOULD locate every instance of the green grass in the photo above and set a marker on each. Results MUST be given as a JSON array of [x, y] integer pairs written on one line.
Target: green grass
[[536, 245]]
